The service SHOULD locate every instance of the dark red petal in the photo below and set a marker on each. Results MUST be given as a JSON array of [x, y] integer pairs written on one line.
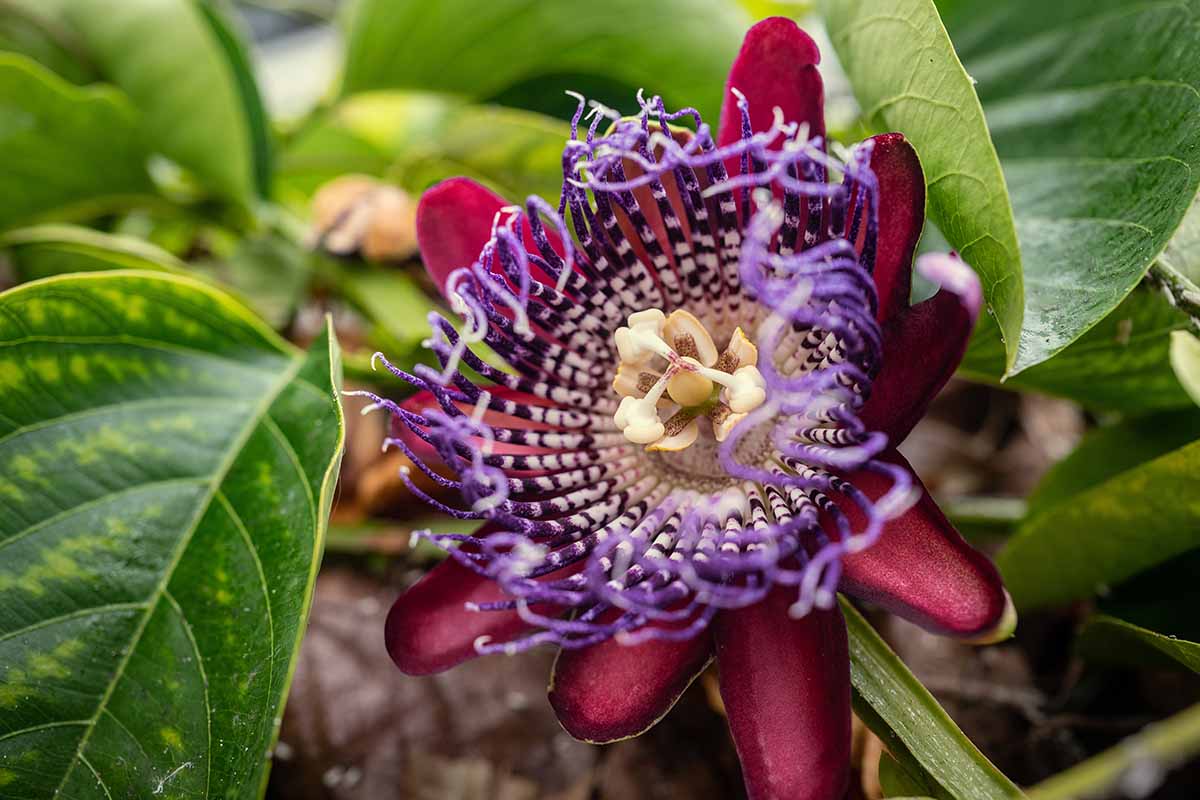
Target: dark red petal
[[777, 66], [454, 222], [611, 691], [429, 628], [922, 569], [786, 687], [922, 346], [901, 216]]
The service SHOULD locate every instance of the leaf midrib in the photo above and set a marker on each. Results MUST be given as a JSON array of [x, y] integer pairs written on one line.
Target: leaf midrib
[[218, 477]]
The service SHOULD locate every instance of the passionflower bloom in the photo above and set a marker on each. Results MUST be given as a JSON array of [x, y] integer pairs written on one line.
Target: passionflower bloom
[[708, 357]]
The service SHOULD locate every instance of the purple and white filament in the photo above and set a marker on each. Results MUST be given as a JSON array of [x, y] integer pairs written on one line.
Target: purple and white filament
[[594, 536]]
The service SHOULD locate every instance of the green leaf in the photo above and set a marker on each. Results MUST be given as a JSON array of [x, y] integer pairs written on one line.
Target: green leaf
[[166, 466], [181, 66], [1185, 360], [900, 780], [1121, 364], [680, 49], [417, 139], [35, 35], [1149, 618], [46, 250], [1107, 638], [395, 304], [909, 721], [1158, 748], [68, 151], [270, 271], [1096, 133], [1130, 521], [907, 78], [1108, 451]]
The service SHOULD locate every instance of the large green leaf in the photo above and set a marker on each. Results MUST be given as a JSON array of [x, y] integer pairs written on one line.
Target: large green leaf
[[417, 139], [186, 71], [1097, 134], [24, 31], [907, 78], [166, 469], [43, 251], [910, 722], [67, 151], [1109, 451], [1129, 521], [680, 49], [1121, 364]]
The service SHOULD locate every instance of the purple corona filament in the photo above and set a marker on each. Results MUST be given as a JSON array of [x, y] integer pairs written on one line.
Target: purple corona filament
[[591, 535]]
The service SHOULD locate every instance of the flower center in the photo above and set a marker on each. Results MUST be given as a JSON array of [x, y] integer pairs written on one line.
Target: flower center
[[672, 376]]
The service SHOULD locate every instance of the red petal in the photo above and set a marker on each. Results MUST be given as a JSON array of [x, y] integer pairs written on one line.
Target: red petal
[[425, 400], [777, 66], [454, 222], [786, 687], [429, 628], [922, 569], [611, 691], [922, 346], [901, 216]]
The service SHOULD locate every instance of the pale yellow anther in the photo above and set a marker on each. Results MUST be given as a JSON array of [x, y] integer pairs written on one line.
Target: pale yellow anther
[[642, 339], [625, 383], [680, 441], [667, 362], [743, 349], [638, 420], [684, 324], [689, 388], [747, 391], [722, 429]]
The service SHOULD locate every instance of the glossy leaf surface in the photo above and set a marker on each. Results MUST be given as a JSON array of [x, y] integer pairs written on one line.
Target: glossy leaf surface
[[166, 469]]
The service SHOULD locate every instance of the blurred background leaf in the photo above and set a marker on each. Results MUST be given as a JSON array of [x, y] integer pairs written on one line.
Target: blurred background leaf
[[69, 152], [1121, 364], [46, 250], [416, 139], [1185, 359], [527, 54], [185, 70], [1105, 514]]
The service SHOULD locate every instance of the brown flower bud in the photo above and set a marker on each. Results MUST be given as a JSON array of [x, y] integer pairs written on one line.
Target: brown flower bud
[[360, 214]]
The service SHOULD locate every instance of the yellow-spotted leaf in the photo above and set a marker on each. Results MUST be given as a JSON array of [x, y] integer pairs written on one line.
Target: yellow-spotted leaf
[[166, 469], [43, 251]]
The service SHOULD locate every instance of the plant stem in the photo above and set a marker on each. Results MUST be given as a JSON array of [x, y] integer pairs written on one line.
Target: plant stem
[[1182, 293], [1138, 763]]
